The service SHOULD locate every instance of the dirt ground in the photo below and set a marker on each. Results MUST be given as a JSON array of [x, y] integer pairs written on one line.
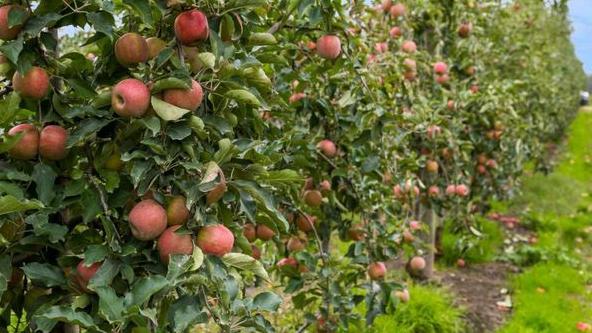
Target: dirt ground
[[482, 292]]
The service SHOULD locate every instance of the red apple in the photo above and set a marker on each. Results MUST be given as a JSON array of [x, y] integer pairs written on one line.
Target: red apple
[[403, 295], [442, 79], [34, 84], [409, 46], [451, 190], [294, 244], [28, 145], [417, 264], [450, 105], [440, 68], [264, 232], [376, 270], [85, 273], [386, 5], [170, 243], [460, 263], [462, 190], [313, 198], [356, 232], [147, 220], [255, 252], [191, 27], [249, 232], [328, 148], [395, 32], [131, 49], [465, 30], [306, 222], [189, 99], [329, 47], [215, 239], [155, 46], [6, 32], [177, 212], [415, 225], [295, 97], [381, 47], [433, 191], [52, 142], [290, 262], [398, 10], [130, 98]]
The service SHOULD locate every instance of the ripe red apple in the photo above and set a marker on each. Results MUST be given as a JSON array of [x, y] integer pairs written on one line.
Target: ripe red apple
[[155, 46], [397, 191], [356, 232], [451, 190], [306, 222], [442, 79], [249, 232], [177, 212], [308, 184], [462, 190], [440, 68], [408, 236], [410, 64], [433, 131], [313, 198], [294, 244], [491, 163], [191, 26], [255, 252], [450, 105], [218, 191], [460, 263], [474, 88], [85, 273], [481, 169], [417, 264], [409, 46], [395, 32], [171, 242], [189, 99], [264, 232], [296, 97], [328, 148], [290, 262], [386, 5], [432, 166], [130, 98], [34, 84], [481, 158], [131, 49], [433, 191], [6, 32], [415, 225], [465, 29], [311, 45], [147, 220], [52, 142], [410, 75], [329, 47], [381, 47], [376, 270], [26, 148], [325, 186], [398, 10], [403, 295], [215, 239]]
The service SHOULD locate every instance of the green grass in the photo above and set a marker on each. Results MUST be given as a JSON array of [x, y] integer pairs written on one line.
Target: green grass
[[430, 310], [472, 249], [549, 297], [552, 296]]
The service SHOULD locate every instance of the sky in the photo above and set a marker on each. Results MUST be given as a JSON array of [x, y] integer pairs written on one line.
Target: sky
[[580, 12]]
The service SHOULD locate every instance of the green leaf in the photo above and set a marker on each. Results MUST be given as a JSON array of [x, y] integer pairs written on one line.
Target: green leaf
[[226, 150], [262, 38], [264, 201], [95, 253], [144, 288], [44, 177], [12, 49], [102, 22], [179, 131], [5, 272], [68, 315], [105, 275], [11, 189], [87, 128], [42, 228], [281, 177], [45, 274], [166, 111], [152, 123], [197, 258], [207, 59], [185, 313], [36, 23], [10, 204], [110, 305], [142, 8], [243, 97], [169, 83], [246, 263], [16, 16], [267, 301]]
